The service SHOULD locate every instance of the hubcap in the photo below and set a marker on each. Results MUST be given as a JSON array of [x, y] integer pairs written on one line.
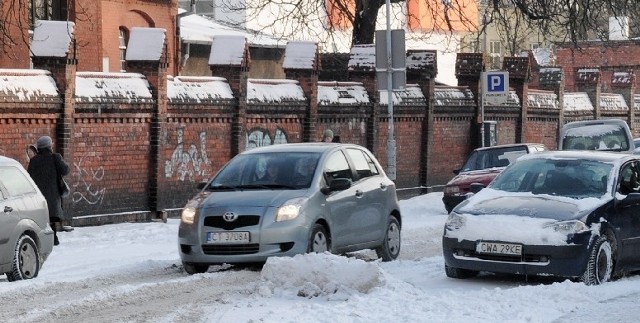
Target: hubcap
[[28, 260], [393, 238]]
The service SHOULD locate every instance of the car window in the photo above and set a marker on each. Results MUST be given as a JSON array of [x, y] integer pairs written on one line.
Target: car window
[[15, 181], [365, 167], [337, 167], [596, 137], [629, 179], [489, 158]]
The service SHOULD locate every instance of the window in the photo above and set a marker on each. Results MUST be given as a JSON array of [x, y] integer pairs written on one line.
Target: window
[[365, 167], [48, 10], [122, 39], [337, 167], [15, 181]]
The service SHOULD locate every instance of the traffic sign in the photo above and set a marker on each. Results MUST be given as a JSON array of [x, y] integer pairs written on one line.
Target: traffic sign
[[495, 87]]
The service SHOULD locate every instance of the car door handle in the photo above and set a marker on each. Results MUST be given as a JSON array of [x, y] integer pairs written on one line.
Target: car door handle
[[359, 193], [8, 209]]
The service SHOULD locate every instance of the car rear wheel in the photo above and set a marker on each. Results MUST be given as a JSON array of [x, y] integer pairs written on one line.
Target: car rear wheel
[[192, 269], [390, 248], [26, 260], [319, 240], [600, 266], [459, 273]]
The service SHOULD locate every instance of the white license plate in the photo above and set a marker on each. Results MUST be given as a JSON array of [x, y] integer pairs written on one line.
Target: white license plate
[[228, 236], [510, 249]]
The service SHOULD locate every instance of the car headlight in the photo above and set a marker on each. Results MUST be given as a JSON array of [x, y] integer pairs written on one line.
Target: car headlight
[[571, 226], [455, 221], [188, 215], [452, 189], [290, 209]]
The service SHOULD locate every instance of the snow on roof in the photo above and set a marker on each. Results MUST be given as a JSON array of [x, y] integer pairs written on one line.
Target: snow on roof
[[26, 85], [447, 96], [577, 101], [363, 58], [613, 101], [410, 94], [145, 44], [330, 93], [52, 38], [269, 91], [227, 50], [107, 87], [300, 55], [542, 99], [420, 60], [197, 29], [198, 89]]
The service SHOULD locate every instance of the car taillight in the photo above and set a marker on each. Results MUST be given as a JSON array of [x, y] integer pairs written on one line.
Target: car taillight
[[451, 189]]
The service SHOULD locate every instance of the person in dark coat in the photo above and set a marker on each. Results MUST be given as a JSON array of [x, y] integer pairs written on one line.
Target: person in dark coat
[[44, 168]]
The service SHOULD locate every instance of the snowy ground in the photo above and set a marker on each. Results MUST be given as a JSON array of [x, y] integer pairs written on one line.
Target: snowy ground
[[132, 273]]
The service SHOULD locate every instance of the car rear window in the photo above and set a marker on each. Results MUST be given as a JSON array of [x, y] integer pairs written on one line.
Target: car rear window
[[489, 158], [15, 181], [596, 137]]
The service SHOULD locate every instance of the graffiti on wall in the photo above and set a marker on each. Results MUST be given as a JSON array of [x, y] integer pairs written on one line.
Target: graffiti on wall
[[259, 137], [188, 163], [87, 183]]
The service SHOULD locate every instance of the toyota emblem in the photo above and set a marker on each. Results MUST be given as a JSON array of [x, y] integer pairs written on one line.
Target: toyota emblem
[[230, 216]]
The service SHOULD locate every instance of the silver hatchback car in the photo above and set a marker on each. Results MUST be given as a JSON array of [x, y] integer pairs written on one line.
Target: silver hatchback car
[[26, 239], [290, 199]]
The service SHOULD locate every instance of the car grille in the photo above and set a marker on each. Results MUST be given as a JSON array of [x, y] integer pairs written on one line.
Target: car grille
[[523, 258], [242, 221], [233, 249]]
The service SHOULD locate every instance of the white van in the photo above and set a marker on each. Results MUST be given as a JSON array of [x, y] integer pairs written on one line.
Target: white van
[[606, 134]]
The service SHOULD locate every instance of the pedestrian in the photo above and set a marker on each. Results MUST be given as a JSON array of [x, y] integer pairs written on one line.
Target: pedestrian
[[327, 136], [47, 169]]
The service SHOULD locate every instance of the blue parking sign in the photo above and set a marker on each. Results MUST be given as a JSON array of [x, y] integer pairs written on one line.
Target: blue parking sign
[[495, 86]]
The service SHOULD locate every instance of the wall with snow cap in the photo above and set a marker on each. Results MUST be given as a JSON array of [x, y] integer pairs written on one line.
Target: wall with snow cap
[[18, 85], [194, 89], [97, 87]]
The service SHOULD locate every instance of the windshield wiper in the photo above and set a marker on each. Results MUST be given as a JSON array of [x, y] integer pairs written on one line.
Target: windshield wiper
[[218, 187], [265, 186]]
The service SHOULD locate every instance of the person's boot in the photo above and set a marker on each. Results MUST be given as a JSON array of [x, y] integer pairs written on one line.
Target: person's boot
[[55, 240]]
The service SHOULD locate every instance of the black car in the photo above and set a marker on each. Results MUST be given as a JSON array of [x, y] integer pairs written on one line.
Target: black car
[[573, 214]]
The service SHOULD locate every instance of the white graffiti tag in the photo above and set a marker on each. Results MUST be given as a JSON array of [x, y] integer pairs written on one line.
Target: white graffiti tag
[[260, 137], [188, 163], [87, 183]]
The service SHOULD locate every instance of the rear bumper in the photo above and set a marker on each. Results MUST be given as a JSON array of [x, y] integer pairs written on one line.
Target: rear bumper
[[562, 261]]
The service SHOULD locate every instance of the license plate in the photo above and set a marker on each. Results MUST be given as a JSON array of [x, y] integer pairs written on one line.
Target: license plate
[[510, 249], [228, 236]]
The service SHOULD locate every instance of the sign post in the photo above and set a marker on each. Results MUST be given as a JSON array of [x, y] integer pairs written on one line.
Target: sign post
[[495, 91]]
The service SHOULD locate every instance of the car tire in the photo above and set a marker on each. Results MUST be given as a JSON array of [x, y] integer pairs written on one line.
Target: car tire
[[319, 240], [600, 265], [390, 247], [193, 269], [459, 273], [26, 260]]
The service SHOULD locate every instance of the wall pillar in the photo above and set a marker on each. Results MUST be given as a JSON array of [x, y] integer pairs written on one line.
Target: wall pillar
[[519, 72], [469, 68], [624, 83], [588, 80], [552, 79]]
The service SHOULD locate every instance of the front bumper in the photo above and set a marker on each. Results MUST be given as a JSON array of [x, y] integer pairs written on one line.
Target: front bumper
[[563, 261]]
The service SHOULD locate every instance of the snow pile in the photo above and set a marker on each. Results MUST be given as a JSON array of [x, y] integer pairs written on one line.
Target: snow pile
[[314, 275]]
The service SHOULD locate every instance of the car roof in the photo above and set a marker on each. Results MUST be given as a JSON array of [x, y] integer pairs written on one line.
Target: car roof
[[511, 145], [317, 147], [604, 156]]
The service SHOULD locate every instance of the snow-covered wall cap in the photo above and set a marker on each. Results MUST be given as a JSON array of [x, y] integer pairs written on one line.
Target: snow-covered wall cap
[[577, 101], [146, 44], [52, 38], [335, 93], [363, 58], [300, 55], [411, 94], [227, 50], [274, 91], [198, 89], [542, 99], [105, 87], [613, 101], [27, 85]]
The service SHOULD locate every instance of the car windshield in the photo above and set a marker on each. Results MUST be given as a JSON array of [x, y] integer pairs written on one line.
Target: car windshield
[[575, 178], [290, 170], [489, 158], [596, 137]]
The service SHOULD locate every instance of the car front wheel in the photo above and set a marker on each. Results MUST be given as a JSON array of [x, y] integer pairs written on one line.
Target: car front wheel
[[193, 269], [390, 248], [600, 265], [319, 241], [26, 260]]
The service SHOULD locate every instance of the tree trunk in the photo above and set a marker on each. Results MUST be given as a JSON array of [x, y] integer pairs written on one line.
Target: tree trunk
[[364, 22]]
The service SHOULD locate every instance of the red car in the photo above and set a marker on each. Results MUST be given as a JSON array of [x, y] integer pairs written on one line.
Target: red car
[[482, 166]]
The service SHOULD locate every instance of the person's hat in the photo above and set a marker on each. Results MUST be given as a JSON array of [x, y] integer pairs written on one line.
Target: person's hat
[[44, 142], [328, 133]]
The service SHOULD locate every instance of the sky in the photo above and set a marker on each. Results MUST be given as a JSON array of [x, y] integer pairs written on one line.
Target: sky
[[131, 272]]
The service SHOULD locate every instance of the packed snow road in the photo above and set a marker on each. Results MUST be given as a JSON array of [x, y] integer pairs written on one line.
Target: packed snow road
[[132, 273]]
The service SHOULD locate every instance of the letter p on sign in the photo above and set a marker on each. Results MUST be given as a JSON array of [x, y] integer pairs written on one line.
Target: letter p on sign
[[495, 86]]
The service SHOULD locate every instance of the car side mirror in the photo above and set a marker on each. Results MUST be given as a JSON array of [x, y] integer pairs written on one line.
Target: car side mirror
[[631, 199], [337, 184], [476, 187], [202, 185]]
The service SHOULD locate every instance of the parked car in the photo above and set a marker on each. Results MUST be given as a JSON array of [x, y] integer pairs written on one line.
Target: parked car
[[604, 134], [290, 199], [482, 166], [571, 214], [26, 239]]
